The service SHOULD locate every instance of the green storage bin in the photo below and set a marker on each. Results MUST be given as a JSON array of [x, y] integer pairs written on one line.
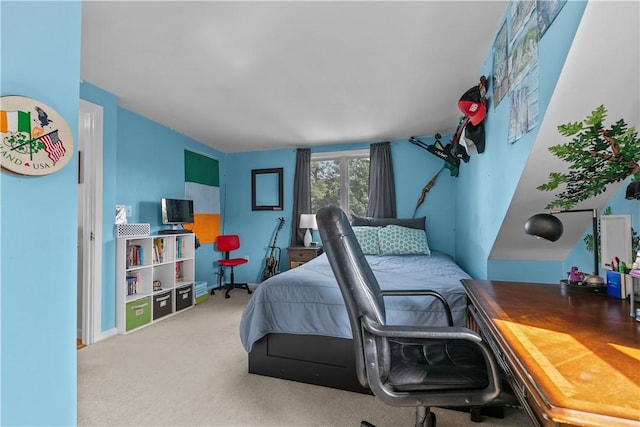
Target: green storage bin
[[138, 313]]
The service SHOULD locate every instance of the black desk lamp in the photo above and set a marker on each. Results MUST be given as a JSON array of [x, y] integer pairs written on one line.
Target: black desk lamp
[[633, 190], [549, 227]]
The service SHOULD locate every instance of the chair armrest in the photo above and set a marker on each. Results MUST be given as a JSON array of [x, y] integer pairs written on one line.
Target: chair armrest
[[427, 292], [420, 332], [425, 336]]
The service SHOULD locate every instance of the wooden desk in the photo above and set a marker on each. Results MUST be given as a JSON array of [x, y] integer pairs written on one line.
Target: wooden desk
[[572, 358]]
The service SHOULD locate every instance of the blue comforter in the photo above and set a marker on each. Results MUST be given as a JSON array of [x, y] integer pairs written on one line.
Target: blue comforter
[[306, 300]]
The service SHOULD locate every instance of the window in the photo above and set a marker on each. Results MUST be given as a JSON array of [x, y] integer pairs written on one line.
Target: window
[[340, 179]]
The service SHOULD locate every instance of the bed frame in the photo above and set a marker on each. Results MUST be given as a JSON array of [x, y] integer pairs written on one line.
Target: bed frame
[[311, 359]]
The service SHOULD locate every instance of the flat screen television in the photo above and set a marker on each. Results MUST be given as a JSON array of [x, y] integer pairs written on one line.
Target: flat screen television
[[177, 211]]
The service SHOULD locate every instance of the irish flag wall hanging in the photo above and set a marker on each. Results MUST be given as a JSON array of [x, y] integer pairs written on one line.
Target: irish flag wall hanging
[[202, 185]]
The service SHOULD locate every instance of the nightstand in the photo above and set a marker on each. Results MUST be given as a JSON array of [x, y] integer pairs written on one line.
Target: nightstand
[[298, 255]]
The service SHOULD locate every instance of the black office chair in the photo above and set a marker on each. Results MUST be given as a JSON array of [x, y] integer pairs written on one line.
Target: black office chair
[[405, 365]]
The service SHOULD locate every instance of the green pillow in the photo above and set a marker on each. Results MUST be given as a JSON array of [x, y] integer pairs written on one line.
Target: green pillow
[[397, 240], [368, 239]]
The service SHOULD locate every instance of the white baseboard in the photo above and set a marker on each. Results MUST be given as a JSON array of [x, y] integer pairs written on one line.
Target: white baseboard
[[107, 334], [101, 336]]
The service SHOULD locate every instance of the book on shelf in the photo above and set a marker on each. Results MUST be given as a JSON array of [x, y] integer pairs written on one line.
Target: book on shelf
[[135, 255], [158, 250], [179, 247], [179, 275], [133, 283]]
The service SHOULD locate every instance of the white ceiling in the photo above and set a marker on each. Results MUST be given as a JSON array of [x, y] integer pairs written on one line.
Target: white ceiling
[[244, 76]]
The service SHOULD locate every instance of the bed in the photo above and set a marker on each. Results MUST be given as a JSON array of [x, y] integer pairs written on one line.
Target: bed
[[295, 325]]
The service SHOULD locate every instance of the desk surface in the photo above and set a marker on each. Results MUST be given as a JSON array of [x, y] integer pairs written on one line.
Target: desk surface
[[576, 356]]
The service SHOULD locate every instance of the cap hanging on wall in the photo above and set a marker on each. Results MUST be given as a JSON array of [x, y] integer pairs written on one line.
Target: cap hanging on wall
[[472, 106], [473, 103]]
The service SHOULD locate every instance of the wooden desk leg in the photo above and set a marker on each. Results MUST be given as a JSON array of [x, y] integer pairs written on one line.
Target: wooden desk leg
[[632, 310]]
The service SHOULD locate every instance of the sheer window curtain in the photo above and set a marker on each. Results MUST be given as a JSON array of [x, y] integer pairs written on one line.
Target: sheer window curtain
[[382, 189], [301, 194]]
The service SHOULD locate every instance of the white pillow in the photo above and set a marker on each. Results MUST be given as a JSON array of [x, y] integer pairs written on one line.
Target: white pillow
[[396, 240], [368, 239]]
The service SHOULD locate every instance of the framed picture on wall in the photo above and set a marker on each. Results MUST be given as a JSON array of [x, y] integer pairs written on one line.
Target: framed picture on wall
[[266, 189]]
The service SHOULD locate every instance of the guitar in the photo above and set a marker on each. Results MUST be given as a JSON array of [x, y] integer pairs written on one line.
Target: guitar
[[271, 265]]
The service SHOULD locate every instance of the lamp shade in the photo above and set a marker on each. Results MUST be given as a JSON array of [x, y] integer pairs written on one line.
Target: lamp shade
[[633, 191], [308, 221], [546, 226]]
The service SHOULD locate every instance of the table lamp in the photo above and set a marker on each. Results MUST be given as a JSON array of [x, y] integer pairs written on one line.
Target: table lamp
[[308, 221], [549, 227], [633, 191]]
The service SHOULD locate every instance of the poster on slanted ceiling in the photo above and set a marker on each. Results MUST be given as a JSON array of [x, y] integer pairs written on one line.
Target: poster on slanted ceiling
[[528, 21], [202, 185]]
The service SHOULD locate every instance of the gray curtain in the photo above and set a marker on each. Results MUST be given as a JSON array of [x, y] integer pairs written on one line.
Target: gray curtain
[[382, 189], [301, 194]]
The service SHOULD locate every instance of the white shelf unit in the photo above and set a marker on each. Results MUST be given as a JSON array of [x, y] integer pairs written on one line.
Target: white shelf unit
[[142, 261]]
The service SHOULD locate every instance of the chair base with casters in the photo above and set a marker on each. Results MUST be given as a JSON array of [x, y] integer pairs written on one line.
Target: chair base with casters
[[232, 284], [407, 365], [226, 244], [228, 287]]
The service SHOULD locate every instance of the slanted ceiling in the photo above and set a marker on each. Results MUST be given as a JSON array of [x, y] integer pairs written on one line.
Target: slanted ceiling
[[602, 68], [244, 76]]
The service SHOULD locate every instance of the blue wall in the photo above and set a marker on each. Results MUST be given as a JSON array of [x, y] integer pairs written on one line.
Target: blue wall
[[128, 180], [143, 162], [150, 166], [38, 225], [493, 175], [255, 228], [488, 181], [413, 168]]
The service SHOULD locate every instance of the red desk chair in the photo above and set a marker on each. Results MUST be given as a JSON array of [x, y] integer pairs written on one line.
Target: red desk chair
[[226, 244]]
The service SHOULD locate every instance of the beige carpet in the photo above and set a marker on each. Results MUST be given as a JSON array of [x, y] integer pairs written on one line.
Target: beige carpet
[[191, 370]]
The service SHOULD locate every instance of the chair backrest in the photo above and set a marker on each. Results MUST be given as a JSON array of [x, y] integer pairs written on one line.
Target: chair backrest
[[228, 242], [356, 281], [464, 384]]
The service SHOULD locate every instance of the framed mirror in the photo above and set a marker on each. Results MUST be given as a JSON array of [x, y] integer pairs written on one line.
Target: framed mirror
[[266, 189]]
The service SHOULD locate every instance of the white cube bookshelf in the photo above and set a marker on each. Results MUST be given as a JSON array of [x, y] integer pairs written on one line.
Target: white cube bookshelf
[[142, 261]]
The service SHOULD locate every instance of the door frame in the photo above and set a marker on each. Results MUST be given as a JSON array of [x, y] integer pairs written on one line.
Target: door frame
[[90, 146]]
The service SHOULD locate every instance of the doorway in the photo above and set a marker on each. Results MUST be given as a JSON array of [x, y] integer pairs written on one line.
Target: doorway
[[89, 302]]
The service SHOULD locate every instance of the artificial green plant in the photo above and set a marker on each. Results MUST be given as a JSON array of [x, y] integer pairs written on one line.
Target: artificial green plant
[[597, 156]]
